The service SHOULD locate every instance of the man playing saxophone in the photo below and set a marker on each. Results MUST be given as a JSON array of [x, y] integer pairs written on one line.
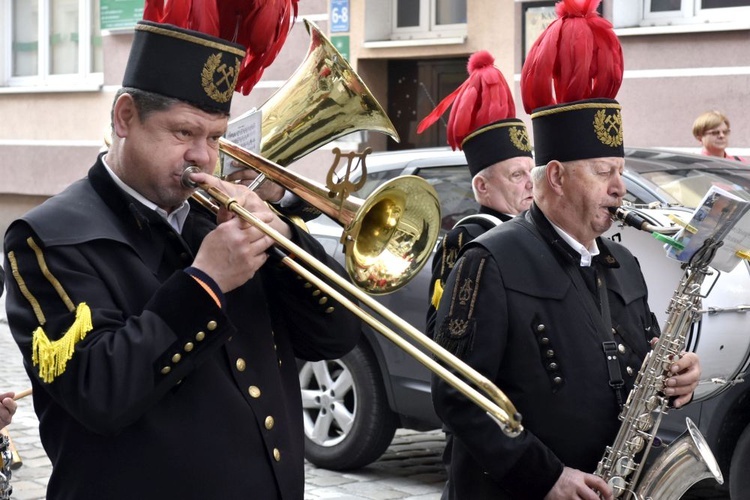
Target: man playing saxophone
[[553, 314]]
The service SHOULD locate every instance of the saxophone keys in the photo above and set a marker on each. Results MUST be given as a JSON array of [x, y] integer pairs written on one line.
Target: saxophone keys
[[636, 444], [644, 422]]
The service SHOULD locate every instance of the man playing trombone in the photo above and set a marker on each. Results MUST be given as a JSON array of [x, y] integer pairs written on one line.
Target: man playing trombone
[[160, 340]]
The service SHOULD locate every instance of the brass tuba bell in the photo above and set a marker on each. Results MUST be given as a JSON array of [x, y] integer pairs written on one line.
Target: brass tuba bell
[[323, 100], [387, 237]]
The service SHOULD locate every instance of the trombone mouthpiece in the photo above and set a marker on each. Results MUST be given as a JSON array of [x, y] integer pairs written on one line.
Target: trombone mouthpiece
[[192, 169]]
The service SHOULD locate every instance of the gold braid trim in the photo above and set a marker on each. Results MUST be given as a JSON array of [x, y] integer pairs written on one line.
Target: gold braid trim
[[47, 274], [25, 290], [437, 293], [52, 356]]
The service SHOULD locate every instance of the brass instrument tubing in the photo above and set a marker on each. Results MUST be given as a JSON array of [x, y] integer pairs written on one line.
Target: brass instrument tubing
[[501, 410]]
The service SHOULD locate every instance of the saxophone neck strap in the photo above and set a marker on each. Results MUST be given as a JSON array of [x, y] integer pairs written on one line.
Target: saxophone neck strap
[[603, 319]]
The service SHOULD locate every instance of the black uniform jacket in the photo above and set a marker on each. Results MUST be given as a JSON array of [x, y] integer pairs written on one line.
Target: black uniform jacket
[[167, 395], [447, 253], [512, 311]]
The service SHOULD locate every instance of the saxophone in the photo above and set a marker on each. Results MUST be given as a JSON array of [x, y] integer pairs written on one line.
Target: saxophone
[[688, 459]]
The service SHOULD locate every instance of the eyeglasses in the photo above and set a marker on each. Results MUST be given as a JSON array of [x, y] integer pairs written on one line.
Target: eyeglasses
[[716, 133]]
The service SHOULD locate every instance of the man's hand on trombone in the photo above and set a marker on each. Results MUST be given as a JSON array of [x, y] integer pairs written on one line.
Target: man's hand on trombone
[[233, 252], [267, 190]]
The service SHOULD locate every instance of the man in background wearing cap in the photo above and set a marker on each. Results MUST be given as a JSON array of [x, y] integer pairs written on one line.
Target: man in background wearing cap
[[532, 303], [161, 342], [498, 153], [483, 124]]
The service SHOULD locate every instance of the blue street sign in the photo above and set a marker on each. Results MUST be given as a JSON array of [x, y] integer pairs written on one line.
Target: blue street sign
[[339, 16]]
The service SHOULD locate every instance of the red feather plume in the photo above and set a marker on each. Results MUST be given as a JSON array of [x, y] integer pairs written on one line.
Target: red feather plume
[[482, 99], [577, 57], [260, 25]]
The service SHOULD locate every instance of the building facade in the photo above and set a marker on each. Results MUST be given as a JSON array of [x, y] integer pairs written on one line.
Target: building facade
[[61, 62]]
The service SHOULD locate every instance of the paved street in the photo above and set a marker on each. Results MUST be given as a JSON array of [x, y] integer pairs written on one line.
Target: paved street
[[410, 469]]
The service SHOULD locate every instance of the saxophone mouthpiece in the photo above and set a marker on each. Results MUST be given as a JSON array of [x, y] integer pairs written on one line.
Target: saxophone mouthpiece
[[192, 169], [630, 218]]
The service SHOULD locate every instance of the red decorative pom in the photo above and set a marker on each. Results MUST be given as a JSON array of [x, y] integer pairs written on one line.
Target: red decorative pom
[[482, 99], [577, 57]]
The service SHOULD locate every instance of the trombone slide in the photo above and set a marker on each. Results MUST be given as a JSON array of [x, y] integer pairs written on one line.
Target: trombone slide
[[499, 407]]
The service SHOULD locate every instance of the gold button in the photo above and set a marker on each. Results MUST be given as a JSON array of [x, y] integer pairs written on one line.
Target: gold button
[[254, 391], [200, 336], [316, 293], [308, 285], [629, 370], [329, 310], [276, 455], [240, 364], [166, 370], [211, 325], [189, 347], [323, 301], [269, 422], [176, 358], [621, 348]]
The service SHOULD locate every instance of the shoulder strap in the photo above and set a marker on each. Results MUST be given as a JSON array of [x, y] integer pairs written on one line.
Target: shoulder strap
[[487, 221], [451, 246]]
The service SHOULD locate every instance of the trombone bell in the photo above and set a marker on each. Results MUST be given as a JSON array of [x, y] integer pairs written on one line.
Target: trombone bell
[[387, 238], [394, 236]]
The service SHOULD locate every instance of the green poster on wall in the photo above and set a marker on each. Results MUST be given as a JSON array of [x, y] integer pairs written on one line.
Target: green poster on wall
[[121, 14], [341, 42]]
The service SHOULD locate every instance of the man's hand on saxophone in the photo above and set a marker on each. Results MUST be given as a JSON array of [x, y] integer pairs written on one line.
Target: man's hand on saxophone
[[686, 374], [576, 484]]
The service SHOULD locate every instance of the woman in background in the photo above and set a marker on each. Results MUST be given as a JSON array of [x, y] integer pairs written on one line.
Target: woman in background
[[712, 130]]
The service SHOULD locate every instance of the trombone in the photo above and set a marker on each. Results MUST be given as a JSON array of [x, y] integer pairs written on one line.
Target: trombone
[[387, 238], [493, 401]]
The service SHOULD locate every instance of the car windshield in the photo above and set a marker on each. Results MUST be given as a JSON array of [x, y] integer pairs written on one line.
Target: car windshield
[[688, 186]]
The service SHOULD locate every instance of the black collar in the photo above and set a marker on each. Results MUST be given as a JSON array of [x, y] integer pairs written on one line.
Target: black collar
[[562, 248]]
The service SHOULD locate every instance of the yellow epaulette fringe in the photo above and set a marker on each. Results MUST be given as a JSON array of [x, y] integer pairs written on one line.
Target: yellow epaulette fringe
[[53, 356], [437, 293]]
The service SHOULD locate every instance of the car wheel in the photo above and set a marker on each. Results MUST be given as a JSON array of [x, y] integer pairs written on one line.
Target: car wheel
[[739, 480], [348, 423]]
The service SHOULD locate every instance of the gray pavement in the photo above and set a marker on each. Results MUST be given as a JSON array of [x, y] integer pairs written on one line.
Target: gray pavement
[[410, 469]]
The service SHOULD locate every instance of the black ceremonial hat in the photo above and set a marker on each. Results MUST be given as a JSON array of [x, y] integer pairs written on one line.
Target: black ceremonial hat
[[568, 84], [496, 142], [199, 69], [483, 119], [579, 130]]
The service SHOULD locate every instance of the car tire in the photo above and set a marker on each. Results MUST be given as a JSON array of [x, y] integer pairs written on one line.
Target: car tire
[[348, 423], [739, 479]]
